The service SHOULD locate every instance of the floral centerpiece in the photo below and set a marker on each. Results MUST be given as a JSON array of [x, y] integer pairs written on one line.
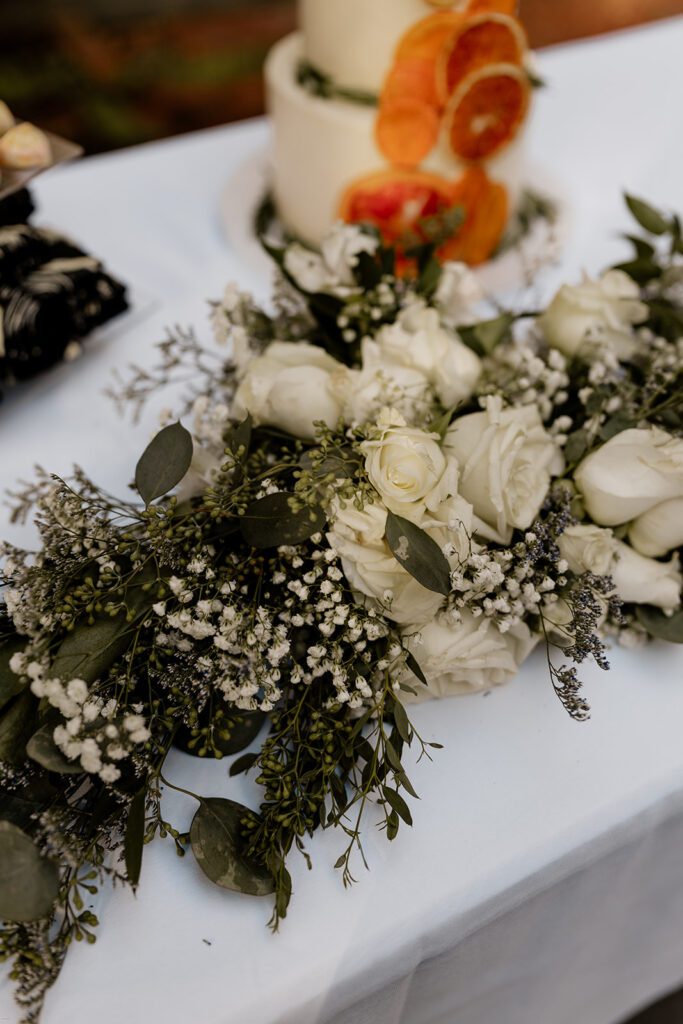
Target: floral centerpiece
[[381, 497]]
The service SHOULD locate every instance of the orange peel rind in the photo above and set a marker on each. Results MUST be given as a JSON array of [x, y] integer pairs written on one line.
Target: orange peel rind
[[487, 110]]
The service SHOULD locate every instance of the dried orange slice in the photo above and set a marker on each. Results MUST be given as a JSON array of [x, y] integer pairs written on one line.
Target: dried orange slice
[[487, 110], [483, 40], [411, 76], [396, 201], [486, 208], [425, 39], [501, 6], [406, 130]]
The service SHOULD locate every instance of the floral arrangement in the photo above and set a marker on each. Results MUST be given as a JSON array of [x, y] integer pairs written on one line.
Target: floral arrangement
[[384, 497]]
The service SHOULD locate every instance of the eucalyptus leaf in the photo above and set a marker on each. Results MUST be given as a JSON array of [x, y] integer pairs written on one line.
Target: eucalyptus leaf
[[29, 883], [89, 651], [10, 683], [647, 216], [398, 804], [270, 522], [414, 667], [217, 842], [402, 722], [418, 554], [238, 438], [164, 462], [661, 626], [134, 840], [483, 338], [17, 725], [241, 729], [42, 749]]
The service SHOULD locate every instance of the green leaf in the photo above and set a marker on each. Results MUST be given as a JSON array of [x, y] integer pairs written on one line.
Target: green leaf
[[430, 278], [29, 883], [641, 270], [647, 216], [644, 250], [164, 462], [42, 749], [243, 764], [577, 446], [418, 554], [134, 841], [238, 438], [219, 847], [270, 522], [485, 337], [414, 667], [661, 626], [17, 725], [398, 804], [10, 683], [402, 722], [89, 651], [241, 727]]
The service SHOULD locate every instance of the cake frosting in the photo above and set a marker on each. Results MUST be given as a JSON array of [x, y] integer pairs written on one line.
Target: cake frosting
[[419, 109]]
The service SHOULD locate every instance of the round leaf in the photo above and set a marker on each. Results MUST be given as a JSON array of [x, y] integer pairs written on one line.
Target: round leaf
[[242, 729], [217, 843], [29, 883], [418, 554], [10, 683], [661, 626], [42, 749], [270, 522], [164, 463]]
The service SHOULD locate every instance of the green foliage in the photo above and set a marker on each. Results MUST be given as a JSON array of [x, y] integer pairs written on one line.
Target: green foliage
[[661, 626], [10, 683], [42, 749], [218, 843], [17, 724], [485, 337], [164, 462], [276, 520], [134, 840], [649, 218], [29, 883], [418, 554]]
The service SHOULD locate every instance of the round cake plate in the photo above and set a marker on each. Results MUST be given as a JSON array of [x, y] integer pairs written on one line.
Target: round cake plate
[[501, 277]]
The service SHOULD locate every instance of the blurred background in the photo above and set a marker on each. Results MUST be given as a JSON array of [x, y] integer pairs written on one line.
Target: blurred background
[[111, 73]]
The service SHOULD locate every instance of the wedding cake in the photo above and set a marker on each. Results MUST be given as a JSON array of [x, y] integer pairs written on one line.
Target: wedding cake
[[406, 114]]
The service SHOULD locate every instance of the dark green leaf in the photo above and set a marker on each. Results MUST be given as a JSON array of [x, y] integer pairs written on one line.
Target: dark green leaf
[[484, 337], [238, 438], [368, 272], [661, 626], [17, 725], [641, 270], [392, 826], [29, 883], [644, 250], [401, 720], [42, 749], [430, 277], [10, 683], [270, 522], [616, 424], [135, 836], [219, 847], [243, 764], [164, 463], [240, 727], [647, 216], [414, 667], [577, 446], [398, 804], [418, 554], [89, 651]]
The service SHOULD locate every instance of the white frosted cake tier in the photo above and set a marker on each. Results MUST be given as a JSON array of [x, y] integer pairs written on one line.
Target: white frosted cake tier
[[321, 146]]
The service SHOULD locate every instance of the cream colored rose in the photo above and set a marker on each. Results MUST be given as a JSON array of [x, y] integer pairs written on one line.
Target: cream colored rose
[[660, 530], [642, 580], [371, 568], [330, 270], [466, 657], [404, 465], [603, 310], [292, 386], [418, 340], [631, 474], [506, 459], [588, 548]]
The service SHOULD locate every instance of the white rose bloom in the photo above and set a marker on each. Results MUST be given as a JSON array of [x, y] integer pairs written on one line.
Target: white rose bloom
[[371, 568], [458, 292], [660, 530], [404, 464], [604, 311], [375, 387], [588, 548], [643, 580], [331, 270], [201, 475], [631, 474], [466, 657], [506, 459], [418, 340], [292, 386]]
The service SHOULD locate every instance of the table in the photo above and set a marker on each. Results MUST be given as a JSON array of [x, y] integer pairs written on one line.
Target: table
[[543, 881]]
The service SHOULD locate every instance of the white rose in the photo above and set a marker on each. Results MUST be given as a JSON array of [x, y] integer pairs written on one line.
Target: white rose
[[506, 460], [292, 386], [631, 474], [660, 530], [375, 387], [419, 340], [588, 548], [404, 464], [330, 270], [466, 657], [201, 475], [602, 310], [642, 580], [371, 568], [458, 292]]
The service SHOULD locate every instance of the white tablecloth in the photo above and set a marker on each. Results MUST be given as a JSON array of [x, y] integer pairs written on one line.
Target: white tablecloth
[[543, 881]]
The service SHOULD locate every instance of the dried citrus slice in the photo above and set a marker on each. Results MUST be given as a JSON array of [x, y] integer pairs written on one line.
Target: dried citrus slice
[[481, 41], [487, 110], [486, 208], [396, 201], [406, 130], [425, 39], [501, 6], [411, 76]]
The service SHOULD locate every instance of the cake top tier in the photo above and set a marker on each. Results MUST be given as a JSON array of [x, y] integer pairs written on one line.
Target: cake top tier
[[353, 41]]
